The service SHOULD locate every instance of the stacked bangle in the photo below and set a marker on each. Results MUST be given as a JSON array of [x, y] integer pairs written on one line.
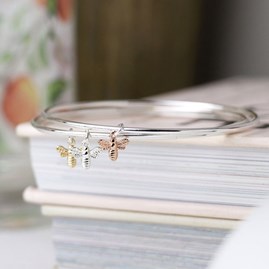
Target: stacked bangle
[[69, 120]]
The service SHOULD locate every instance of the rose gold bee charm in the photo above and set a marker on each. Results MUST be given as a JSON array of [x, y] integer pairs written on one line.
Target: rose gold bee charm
[[113, 145]]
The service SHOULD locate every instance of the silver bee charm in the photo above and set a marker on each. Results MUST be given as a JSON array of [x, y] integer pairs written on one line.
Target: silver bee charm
[[87, 153]]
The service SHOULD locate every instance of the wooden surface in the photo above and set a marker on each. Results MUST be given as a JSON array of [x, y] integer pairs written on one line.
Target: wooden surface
[[135, 48]]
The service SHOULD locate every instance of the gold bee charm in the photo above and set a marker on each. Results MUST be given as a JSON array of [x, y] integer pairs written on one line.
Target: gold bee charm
[[69, 152], [113, 145]]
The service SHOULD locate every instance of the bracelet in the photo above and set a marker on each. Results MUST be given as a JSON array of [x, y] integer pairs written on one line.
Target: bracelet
[[73, 120]]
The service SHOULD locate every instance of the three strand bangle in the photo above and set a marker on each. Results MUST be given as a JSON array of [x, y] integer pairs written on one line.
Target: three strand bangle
[[115, 123]]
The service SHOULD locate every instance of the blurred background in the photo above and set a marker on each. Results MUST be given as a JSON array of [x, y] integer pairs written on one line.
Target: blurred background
[[62, 50], [135, 48], [56, 51]]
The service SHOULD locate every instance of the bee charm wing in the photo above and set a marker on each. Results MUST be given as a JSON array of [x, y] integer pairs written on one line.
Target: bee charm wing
[[104, 144], [63, 151], [76, 152], [95, 152], [122, 143]]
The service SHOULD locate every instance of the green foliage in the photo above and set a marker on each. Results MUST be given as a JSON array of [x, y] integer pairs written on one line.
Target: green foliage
[[55, 89], [3, 146], [52, 7], [43, 55], [6, 57]]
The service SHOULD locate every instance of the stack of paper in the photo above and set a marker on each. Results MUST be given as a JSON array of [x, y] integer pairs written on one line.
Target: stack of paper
[[114, 244], [162, 204]]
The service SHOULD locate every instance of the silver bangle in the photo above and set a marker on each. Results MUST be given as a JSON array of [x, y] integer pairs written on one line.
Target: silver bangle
[[68, 120], [237, 119]]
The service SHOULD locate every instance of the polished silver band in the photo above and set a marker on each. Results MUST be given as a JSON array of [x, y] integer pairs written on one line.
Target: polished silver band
[[66, 119]]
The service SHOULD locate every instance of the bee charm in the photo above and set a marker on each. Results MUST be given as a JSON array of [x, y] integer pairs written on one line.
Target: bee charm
[[113, 145], [86, 153], [69, 152], [73, 152]]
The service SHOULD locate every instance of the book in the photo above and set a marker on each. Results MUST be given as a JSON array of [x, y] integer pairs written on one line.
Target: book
[[164, 207], [163, 204], [95, 243], [222, 170]]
